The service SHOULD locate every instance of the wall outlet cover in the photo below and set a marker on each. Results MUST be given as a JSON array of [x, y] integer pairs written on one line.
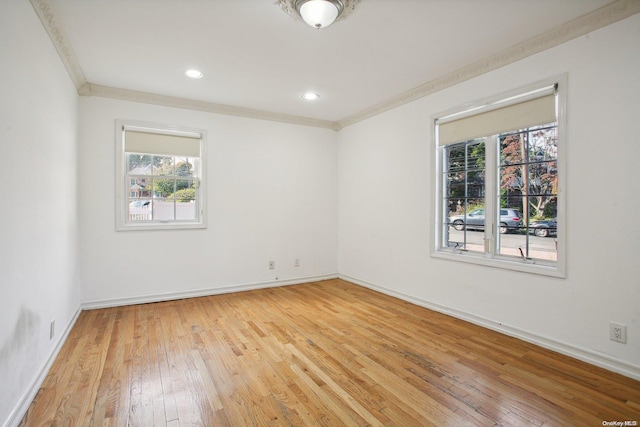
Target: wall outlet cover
[[618, 332]]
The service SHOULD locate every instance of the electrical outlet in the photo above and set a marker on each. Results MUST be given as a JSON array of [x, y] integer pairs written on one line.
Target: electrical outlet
[[296, 262], [272, 265], [618, 332], [52, 329]]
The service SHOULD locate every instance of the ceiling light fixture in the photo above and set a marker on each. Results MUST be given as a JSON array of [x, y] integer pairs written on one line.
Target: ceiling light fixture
[[318, 13], [310, 96], [194, 74]]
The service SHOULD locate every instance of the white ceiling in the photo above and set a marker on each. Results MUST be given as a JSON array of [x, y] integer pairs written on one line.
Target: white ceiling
[[253, 55]]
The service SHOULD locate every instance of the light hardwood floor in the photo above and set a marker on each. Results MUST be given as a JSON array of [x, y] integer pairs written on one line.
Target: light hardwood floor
[[326, 353]]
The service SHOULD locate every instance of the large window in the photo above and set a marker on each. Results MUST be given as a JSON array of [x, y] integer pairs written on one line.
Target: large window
[[160, 173], [499, 178]]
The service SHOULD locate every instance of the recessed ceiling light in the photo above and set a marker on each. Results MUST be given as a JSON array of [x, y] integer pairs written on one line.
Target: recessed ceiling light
[[310, 96], [194, 74]]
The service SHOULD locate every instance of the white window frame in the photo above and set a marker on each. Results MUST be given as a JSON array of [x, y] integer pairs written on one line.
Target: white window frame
[[122, 178], [489, 257]]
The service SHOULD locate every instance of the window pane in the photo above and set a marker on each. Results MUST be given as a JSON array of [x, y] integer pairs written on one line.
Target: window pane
[[543, 178], [535, 240], [185, 191], [455, 185], [543, 143], [139, 187], [512, 149], [196, 165], [545, 208], [140, 210], [139, 164], [184, 166], [186, 209], [475, 156], [512, 186], [543, 231], [163, 210], [165, 165], [456, 159], [465, 225], [184, 184], [513, 242], [475, 184], [164, 187]]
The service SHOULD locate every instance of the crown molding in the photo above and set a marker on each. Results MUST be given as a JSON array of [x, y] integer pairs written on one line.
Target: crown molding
[[90, 89], [56, 33], [606, 15], [580, 26]]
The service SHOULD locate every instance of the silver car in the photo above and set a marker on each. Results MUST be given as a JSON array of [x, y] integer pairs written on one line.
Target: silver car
[[510, 220], [544, 228]]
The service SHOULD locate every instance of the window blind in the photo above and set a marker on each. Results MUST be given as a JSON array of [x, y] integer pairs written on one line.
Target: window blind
[[519, 115], [164, 144]]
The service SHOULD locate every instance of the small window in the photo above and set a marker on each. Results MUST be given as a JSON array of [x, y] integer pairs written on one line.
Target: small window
[[160, 172], [499, 175]]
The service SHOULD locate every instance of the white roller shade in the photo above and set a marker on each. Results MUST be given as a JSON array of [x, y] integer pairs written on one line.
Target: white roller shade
[[531, 112], [164, 144]]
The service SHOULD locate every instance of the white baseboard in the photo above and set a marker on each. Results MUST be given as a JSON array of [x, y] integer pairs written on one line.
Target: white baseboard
[[27, 397], [25, 400], [143, 299], [590, 356]]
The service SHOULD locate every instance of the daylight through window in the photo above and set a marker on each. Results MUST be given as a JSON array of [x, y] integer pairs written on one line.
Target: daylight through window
[[161, 178], [498, 183]]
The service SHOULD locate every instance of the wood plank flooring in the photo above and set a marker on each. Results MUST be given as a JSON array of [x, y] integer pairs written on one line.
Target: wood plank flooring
[[328, 353]]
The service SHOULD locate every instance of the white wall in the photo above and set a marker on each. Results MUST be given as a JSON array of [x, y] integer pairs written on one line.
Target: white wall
[[272, 195], [38, 210], [276, 192], [386, 215]]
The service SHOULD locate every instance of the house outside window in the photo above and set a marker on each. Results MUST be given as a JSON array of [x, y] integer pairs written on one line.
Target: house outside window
[[498, 197], [160, 171]]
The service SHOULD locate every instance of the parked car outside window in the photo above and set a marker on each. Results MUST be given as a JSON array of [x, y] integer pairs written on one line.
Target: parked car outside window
[[544, 228], [510, 220]]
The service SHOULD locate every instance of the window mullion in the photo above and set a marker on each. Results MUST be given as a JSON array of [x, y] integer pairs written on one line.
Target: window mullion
[[175, 188], [491, 196]]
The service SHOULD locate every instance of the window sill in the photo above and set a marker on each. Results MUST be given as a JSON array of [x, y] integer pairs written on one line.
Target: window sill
[[529, 266], [161, 226]]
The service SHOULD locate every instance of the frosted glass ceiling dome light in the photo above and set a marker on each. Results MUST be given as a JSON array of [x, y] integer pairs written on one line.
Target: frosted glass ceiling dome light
[[319, 13]]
